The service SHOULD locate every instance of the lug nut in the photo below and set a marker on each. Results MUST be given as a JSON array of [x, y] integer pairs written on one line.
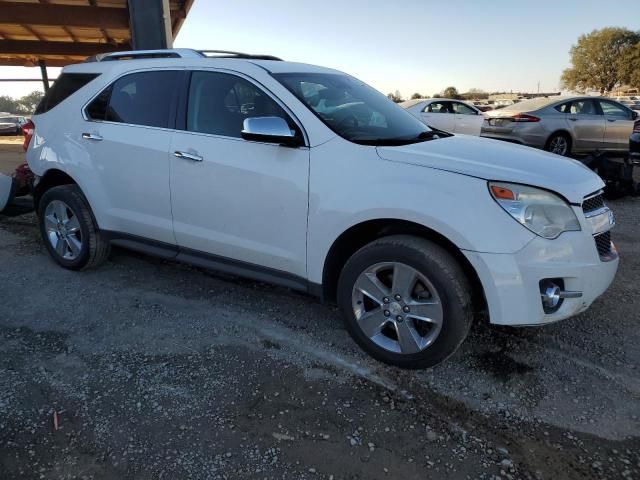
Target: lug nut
[[399, 318], [385, 299], [405, 309], [398, 297], [387, 313]]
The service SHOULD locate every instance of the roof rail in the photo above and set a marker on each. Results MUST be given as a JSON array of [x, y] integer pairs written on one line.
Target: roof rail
[[230, 54], [175, 53], [140, 54]]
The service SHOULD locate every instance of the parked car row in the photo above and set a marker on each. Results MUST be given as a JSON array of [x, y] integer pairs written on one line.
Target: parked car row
[[561, 125]]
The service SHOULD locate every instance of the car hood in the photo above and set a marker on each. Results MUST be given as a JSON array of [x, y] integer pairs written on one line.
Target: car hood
[[500, 161]]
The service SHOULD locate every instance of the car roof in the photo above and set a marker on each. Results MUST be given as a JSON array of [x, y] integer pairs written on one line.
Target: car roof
[[272, 66], [542, 102]]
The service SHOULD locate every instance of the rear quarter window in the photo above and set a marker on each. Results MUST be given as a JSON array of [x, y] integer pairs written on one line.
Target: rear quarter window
[[65, 86]]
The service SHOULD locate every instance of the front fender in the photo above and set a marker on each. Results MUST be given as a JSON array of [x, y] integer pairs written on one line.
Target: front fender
[[456, 206]]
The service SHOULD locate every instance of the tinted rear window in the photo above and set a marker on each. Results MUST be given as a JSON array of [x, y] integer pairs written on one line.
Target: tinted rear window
[[66, 85], [139, 99]]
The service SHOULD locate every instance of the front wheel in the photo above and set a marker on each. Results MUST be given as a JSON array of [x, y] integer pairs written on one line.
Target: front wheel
[[406, 301]]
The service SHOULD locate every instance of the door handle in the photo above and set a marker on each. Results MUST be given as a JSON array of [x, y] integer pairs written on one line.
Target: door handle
[[92, 136], [188, 156], [573, 119], [611, 119]]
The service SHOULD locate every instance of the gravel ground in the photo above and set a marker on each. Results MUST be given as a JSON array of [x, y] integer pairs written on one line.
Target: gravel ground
[[148, 369]]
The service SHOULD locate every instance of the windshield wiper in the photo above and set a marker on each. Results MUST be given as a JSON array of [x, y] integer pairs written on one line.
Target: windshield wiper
[[432, 134]]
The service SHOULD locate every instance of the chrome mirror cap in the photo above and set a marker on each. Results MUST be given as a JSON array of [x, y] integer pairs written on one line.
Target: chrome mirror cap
[[268, 129]]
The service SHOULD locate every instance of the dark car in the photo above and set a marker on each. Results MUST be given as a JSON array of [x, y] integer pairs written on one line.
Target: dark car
[[634, 142], [12, 124]]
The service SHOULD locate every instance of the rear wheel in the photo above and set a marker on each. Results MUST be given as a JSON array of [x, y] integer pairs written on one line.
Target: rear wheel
[[560, 144], [405, 301], [69, 230]]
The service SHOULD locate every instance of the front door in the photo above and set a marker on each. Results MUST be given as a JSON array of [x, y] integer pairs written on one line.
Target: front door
[[467, 120], [618, 126], [232, 198], [587, 125], [439, 115]]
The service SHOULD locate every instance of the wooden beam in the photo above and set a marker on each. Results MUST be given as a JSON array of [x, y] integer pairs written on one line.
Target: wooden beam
[[67, 31], [67, 15], [39, 49], [30, 62], [32, 32], [178, 17], [106, 37]]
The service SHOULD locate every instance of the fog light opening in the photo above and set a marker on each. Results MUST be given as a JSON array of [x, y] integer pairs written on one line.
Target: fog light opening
[[551, 290]]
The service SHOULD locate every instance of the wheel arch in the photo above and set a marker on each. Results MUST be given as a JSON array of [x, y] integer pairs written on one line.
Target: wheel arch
[[52, 178], [359, 235]]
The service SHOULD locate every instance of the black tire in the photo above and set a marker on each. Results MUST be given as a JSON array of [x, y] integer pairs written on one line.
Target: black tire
[[94, 248], [444, 273], [553, 138]]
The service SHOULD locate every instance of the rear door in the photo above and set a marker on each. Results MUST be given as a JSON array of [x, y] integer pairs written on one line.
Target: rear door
[[586, 123], [127, 137], [618, 125], [439, 114], [467, 120]]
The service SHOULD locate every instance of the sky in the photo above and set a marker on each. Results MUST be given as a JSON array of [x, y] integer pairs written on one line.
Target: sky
[[407, 45]]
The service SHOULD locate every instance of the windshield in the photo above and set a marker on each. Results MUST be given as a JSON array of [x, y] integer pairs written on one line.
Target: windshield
[[356, 111]]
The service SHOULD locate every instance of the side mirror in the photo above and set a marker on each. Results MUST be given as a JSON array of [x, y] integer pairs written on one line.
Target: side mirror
[[634, 114], [269, 130]]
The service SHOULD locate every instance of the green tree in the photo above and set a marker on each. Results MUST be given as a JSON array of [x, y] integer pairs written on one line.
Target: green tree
[[417, 96], [451, 92], [597, 60], [28, 103], [396, 97], [475, 94], [631, 67], [8, 104]]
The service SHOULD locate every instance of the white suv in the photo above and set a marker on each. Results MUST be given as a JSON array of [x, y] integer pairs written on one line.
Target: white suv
[[306, 177]]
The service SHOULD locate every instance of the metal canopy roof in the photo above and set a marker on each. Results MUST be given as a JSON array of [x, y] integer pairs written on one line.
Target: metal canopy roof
[[60, 32]]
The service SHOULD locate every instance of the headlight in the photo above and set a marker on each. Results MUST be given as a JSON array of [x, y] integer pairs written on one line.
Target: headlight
[[542, 212]]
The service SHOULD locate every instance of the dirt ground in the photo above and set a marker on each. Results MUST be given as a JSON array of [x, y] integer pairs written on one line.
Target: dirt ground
[[147, 369], [11, 153]]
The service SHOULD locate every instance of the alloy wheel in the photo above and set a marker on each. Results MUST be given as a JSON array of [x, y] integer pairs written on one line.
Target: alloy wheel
[[397, 307], [63, 230], [559, 145]]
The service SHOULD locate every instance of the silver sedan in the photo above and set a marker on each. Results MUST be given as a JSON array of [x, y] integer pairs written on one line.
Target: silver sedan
[[564, 125]]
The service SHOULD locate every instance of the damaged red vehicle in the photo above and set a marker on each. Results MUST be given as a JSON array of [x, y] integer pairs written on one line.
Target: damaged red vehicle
[[15, 189]]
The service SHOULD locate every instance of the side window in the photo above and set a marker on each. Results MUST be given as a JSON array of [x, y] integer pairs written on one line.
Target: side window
[[97, 109], [462, 109], [583, 107], [220, 102], [438, 107], [139, 99], [613, 110], [65, 85], [563, 107]]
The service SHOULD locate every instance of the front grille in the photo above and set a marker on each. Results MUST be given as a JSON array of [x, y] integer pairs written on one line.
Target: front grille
[[593, 203], [603, 243]]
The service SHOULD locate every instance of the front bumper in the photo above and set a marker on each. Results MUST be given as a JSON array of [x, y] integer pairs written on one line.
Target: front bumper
[[511, 281]]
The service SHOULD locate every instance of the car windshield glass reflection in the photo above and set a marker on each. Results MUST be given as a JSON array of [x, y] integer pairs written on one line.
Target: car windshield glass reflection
[[356, 111]]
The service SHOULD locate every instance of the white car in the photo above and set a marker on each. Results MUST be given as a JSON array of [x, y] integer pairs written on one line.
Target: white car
[[446, 114], [306, 177]]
